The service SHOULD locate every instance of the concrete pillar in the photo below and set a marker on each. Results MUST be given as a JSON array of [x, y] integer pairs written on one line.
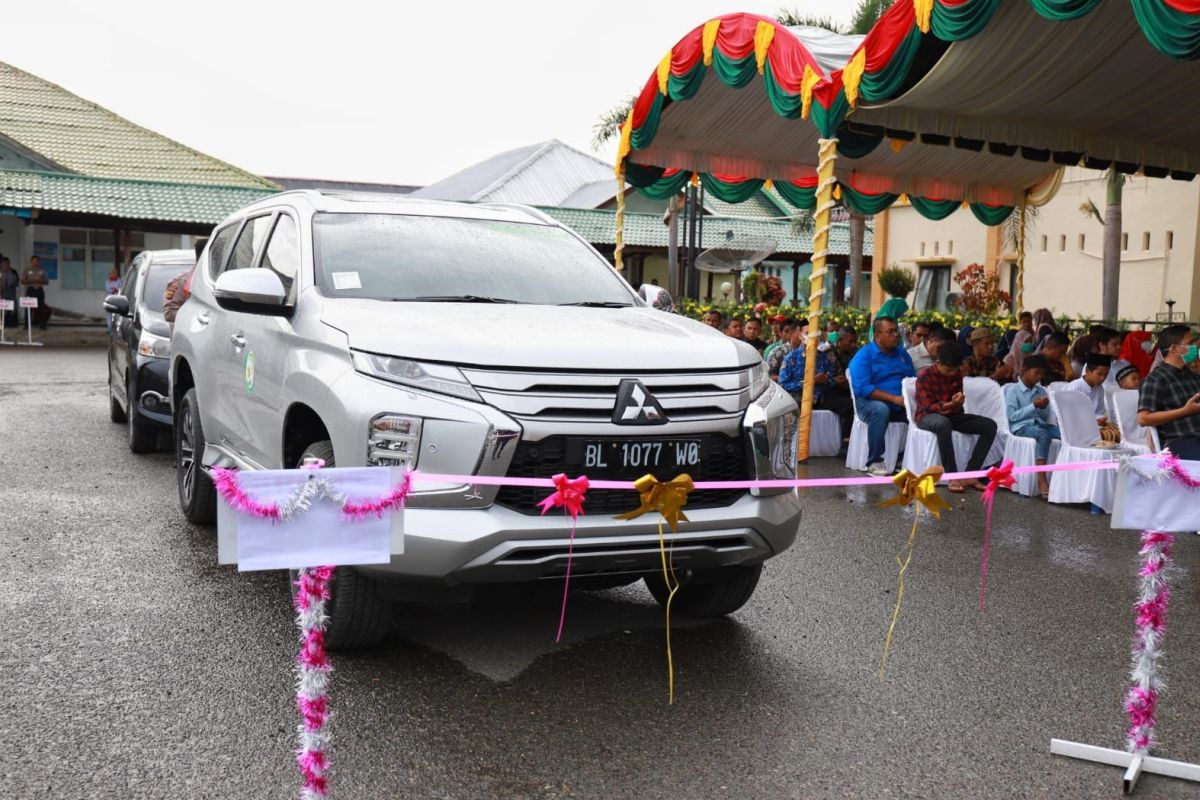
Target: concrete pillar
[[879, 259]]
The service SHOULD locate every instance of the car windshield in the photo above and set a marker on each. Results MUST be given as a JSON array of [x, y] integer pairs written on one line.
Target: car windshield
[[156, 283], [438, 259]]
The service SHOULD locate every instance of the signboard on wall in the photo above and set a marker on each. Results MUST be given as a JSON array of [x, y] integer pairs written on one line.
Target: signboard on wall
[[47, 253]]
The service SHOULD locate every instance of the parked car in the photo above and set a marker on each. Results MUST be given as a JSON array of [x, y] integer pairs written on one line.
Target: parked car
[[476, 339], [139, 347]]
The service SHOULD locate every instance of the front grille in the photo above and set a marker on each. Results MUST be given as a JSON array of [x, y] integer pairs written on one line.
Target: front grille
[[725, 460]]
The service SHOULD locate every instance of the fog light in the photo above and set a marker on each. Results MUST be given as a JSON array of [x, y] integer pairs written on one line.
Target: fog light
[[393, 441]]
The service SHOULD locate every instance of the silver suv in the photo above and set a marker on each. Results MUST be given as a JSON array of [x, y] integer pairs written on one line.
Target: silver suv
[[475, 340]]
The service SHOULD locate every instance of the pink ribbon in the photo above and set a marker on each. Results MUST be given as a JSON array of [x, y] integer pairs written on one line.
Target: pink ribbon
[[568, 494], [997, 477]]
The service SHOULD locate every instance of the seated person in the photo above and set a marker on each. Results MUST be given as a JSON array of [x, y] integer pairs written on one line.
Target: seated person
[[983, 363], [1109, 342], [924, 354], [1170, 395], [752, 333], [1058, 368], [939, 410], [794, 334], [918, 332], [1127, 377], [791, 376], [1027, 406], [733, 328], [837, 394], [713, 318], [877, 371], [1091, 384]]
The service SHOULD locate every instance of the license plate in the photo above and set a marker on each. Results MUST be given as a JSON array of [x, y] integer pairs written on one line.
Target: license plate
[[624, 457]]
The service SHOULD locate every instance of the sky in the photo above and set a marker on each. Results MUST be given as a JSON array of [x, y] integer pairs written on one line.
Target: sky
[[399, 92]]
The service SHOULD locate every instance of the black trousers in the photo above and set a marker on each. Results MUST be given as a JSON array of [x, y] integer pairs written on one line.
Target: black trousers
[[839, 402], [942, 426], [1186, 447]]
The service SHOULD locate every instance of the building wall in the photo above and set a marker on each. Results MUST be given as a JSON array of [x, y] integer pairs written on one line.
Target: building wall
[[1063, 260]]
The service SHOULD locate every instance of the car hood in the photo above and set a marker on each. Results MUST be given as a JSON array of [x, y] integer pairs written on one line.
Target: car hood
[[535, 337]]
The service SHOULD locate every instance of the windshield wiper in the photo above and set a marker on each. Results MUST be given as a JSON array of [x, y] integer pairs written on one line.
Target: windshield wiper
[[598, 304], [454, 298]]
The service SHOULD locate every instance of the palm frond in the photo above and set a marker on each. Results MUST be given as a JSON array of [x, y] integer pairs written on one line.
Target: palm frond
[[792, 18], [803, 224], [1012, 227], [1088, 209], [608, 126], [867, 14]]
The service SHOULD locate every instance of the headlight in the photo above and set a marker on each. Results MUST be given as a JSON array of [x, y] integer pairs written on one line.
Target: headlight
[[393, 441], [153, 346], [759, 380], [419, 375]]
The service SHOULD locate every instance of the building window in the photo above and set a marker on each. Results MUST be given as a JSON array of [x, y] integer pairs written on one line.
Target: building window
[[1062, 243], [1045, 243], [933, 284], [1146, 240], [1170, 240], [1082, 240], [1124, 241], [922, 248], [936, 245], [86, 257], [950, 247]]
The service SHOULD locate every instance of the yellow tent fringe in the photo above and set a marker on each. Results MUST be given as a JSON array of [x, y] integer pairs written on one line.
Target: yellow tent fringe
[[695, 179], [764, 33], [625, 146], [923, 11], [664, 72], [807, 83], [898, 145], [852, 76], [709, 39]]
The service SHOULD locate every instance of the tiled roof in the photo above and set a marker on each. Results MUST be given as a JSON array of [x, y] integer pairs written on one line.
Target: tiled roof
[[546, 173], [79, 136], [147, 200], [599, 226]]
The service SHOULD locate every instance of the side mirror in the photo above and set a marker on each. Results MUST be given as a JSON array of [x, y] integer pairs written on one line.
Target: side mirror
[[116, 304], [656, 297], [248, 288]]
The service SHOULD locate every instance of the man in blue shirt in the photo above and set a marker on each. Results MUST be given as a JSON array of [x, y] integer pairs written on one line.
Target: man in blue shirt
[[1028, 409], [876, 372]]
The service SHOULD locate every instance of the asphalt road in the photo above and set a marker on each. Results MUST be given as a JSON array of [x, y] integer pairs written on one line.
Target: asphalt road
[[135, 667]]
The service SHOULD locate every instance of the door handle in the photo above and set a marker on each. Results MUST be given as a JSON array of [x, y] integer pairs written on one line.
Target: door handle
[[239, 341], [202, 319]]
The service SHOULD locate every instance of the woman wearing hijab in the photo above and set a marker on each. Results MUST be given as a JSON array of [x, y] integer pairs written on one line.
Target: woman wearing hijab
[[1043, 325]]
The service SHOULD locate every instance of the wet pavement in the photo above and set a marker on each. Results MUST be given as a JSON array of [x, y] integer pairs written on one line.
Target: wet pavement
[[135, 667]]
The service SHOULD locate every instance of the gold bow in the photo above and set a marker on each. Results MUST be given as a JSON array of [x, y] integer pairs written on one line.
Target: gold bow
[[920, 488], [667, 498]]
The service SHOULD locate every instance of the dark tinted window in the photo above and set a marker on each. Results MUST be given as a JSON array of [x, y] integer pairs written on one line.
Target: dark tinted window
[[218, 247], [156, 283], [249, 242], [283, 253], [127, 280]]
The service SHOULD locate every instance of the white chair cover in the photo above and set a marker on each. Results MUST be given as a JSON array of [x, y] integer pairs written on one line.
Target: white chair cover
[[920, 448], [1124, 411], [825, 435], [1021, 450], [1077, 422], [986, 398], [1055, 386], [858, 448]]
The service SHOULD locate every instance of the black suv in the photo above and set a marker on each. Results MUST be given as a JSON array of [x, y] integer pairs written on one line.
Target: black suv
[[139, 346]]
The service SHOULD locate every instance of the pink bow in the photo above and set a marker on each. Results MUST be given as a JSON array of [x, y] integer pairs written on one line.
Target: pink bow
[[568, 494], [1001, 476]]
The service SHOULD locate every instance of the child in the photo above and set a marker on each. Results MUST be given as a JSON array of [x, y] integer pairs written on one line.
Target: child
[[1091, 384], [939, 410], [1028, 408], [1128, 377]]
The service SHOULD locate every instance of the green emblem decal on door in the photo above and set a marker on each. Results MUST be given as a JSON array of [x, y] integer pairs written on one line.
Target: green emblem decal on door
[[250, 372]]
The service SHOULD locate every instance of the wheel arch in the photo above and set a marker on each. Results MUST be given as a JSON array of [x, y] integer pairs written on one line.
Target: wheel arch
[[301, 427], [181, 381]]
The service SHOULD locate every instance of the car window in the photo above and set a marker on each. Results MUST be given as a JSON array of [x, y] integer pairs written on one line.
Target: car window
[[283, 254], [249, 242], [218, 247], [128, 282], [157, 278]]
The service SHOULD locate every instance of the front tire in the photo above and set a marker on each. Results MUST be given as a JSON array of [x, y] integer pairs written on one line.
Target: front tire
[[197, 496], [708, 593], [115, 412], [358, 615]]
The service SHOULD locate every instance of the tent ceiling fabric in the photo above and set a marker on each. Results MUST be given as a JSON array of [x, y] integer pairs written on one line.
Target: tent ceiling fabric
[[1092, 85]]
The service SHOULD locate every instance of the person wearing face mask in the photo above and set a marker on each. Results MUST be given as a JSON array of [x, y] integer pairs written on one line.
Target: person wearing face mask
[[1169, 398]]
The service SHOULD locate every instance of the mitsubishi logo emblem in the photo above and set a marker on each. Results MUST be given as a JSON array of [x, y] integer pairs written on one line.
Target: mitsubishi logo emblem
[[636, 406]]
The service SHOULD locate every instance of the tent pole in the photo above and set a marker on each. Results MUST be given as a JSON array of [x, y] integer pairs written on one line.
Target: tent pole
[[826, 163], [1019, 300]]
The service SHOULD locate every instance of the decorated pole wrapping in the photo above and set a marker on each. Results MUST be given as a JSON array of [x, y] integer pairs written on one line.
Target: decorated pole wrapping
[[312, 681], [1154, 593], [826, 179], [1020, 298]]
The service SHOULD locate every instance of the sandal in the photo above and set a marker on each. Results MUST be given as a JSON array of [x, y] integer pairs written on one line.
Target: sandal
[[957, 488]]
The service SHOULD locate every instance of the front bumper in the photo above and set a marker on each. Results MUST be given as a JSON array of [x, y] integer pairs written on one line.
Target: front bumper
[[152, 376], [497, 545]]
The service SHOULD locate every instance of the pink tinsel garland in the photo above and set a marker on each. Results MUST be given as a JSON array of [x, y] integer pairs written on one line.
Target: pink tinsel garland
[[312, 673], [1154, 594], [225, 481]]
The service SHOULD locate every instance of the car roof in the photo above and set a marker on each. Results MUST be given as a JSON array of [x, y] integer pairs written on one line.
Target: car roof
[[170, 256], [348, 202]]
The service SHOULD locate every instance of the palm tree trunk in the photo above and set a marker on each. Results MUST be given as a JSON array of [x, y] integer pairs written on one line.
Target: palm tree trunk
[[674, 284], [1112, 245], [858, 234]]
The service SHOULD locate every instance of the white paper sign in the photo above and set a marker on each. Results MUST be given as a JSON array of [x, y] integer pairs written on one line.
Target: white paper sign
[[1145, 504], [346, 280], [6, 305], [312, 538], [29, 302]]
